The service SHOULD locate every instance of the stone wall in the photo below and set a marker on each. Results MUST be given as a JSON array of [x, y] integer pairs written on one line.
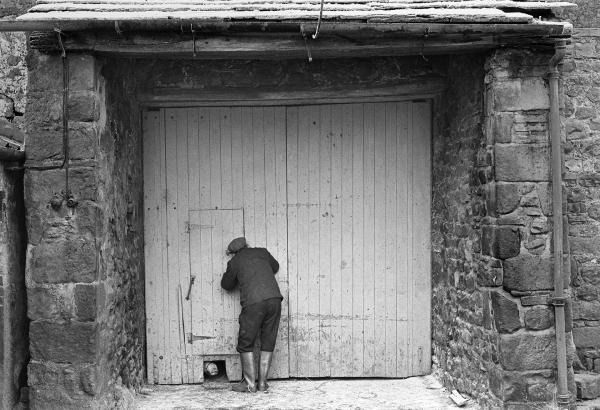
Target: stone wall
[[122, 257], [582, 179], [464, 339], [13, 85], [492, 249], [519, 227], [84, 263], [14, 352]]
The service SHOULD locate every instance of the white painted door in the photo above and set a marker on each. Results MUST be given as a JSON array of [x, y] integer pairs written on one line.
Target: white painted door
[[341, 192], [359, 239]]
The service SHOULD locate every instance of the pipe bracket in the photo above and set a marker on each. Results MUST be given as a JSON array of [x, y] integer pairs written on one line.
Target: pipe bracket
[[558, 301]]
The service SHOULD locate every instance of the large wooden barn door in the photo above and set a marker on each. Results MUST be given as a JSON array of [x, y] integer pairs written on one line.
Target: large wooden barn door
[[358, 239], [339, 192], [211, 174]]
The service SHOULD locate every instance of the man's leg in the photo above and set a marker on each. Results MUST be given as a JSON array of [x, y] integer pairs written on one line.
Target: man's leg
[[250, 320], [268, 337]]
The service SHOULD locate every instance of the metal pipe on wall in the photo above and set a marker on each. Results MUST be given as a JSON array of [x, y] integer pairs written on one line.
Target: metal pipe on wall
[[559, 299]]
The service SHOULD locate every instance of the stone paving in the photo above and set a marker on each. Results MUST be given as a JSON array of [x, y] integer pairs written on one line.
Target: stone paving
[[322, 394]]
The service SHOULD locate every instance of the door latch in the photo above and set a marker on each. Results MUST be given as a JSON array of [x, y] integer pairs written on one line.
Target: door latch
[[192, 279]]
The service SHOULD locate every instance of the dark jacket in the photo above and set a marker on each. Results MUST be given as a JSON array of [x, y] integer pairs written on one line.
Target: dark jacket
[[254, 270]]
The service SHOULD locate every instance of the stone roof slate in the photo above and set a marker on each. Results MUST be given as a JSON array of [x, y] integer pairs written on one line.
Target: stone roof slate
[[447, 11]]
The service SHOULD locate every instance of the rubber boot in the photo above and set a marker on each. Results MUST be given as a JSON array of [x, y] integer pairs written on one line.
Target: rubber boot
[[247, 385], [263, 373]]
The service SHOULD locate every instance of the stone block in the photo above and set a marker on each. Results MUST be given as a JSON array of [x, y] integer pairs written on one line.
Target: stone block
[[45, 72], [88, 297], [83, 140], [45, 143], [66, 257], [501, 242], [527, 272], [531, 351], [54, 302], [63, 385], [42, 186], [539, 318], [82, 72], [67, 342], [83, 106], [521, 163], [586, 337], [521, 95], [585, 246], [502, 124], [47, 107], [586, 310], [506, 313], [508, 197], [588, 385]]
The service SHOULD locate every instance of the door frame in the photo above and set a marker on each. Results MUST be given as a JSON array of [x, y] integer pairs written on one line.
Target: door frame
[[430, 90]]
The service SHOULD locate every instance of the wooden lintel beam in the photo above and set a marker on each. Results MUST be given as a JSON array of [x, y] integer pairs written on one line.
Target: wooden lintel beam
[[287, 46]]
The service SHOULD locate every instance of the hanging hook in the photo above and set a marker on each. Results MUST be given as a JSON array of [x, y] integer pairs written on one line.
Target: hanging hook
[[306, 46], [193, 40], [425, 37], [118, 29], [60, 42]]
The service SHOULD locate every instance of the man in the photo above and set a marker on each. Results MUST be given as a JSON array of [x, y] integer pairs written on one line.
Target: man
[[254, 269]]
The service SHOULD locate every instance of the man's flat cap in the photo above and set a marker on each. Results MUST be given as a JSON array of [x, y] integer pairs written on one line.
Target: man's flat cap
[[236, 245]]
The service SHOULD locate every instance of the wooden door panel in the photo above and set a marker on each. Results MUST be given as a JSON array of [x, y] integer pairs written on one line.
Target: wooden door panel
[[214, 327], [358, 224]]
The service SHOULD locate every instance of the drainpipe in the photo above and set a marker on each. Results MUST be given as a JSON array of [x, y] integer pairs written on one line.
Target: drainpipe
[[559, 299]]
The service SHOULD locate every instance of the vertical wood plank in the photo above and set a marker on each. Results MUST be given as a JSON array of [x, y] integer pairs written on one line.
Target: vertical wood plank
[[370, 338], [281, 358], [292, 215], [421, 236], [380, 277], [390, 239], [313, 241], [324, 244], [164, 365], [248, 173], [237, 176], [228, 229], [357, 240], [205, 266], [347, 346], [403, 239], [258, 185], [335, 292], [183, 256], [214, 268], [173, 248], [152, 253], [194, 240], [302, 244]]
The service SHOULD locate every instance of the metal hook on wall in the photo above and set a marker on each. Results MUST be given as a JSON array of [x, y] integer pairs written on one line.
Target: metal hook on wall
[[425, 38], [306, 45], [193, 40]]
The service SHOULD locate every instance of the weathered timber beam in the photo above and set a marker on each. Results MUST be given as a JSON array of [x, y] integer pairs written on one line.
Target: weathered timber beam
[[542, 28], [425, 88], [270, 46]]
